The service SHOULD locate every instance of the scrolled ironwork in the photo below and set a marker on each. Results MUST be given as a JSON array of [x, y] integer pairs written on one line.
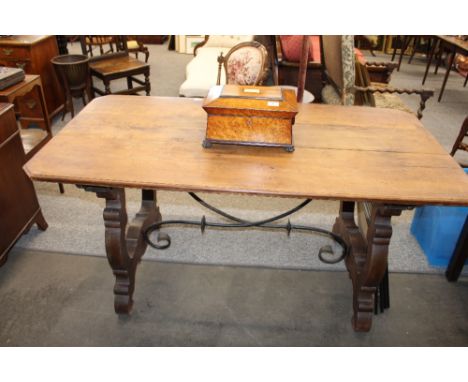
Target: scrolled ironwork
[[163, 240]]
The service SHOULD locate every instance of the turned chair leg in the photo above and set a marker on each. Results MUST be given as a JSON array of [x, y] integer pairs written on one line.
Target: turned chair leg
[[147, 84], [107, 87]]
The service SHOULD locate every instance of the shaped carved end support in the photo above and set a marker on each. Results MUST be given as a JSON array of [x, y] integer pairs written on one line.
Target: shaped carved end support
[[367, 260], [125, 244]]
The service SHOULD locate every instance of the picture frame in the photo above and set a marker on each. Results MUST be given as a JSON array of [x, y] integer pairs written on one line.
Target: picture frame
[[192, 41]]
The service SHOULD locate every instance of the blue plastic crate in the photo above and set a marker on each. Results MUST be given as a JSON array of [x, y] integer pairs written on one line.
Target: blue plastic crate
[[437, 230]]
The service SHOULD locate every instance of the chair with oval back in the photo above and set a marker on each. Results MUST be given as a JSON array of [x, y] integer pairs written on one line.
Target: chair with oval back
[[245, 64]]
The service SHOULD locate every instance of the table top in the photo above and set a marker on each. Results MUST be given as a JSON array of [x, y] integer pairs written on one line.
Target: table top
[[459, 43], [28, 78], [22, 40], [118, 64], [342, 153]]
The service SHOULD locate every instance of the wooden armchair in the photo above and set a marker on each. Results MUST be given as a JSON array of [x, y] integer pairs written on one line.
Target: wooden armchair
[[459, 144], [114, 64], [135, 46], [245, 64], [349, 82], [100, 43]]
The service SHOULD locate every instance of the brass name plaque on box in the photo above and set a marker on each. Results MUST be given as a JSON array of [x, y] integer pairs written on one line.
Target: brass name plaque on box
[[250, 115]]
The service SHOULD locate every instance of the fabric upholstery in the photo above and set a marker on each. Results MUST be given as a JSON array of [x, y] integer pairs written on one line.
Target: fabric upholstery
[[359, 56], [132, 44], [291, 48], [340, 66], [244, 66], [391, 101], [347, 56], [330, 96]]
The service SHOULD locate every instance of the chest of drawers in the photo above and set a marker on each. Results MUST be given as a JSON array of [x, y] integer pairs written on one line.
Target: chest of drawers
[[19, 207], [33, 55]]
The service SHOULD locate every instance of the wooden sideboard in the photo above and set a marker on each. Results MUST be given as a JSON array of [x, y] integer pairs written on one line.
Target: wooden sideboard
[[18, 201], [33, 55]]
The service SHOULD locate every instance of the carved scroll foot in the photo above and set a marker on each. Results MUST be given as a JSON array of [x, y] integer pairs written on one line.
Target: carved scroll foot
[[367, 259], [125, 244]]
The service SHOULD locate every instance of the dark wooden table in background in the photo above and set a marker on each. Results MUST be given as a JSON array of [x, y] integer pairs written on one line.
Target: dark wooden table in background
[[351, 154], [454, 45]]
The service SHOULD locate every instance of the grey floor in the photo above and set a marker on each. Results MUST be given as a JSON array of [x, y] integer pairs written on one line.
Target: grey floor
[[54, 300], [48, 298]]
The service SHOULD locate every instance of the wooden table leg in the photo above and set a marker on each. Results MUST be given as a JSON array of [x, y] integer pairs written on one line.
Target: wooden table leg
[[404, 45], [367, 259], [449, 68], [435, 43], [125, 245]]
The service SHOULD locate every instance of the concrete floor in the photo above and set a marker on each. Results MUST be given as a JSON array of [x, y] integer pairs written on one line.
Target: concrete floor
[[70, 303]]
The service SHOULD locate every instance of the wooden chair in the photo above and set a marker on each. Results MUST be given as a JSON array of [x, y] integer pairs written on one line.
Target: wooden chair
[[245, 64], [459, 144], [135, 46], [114, 64], [349, 82], [98, 42]]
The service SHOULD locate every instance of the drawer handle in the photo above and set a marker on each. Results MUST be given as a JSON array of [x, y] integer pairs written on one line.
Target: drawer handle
[[31, 103], [21, 65], [7, 52]]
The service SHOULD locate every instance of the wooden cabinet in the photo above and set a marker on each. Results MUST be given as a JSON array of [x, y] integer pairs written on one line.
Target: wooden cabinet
[[33, 55], [19, 207]]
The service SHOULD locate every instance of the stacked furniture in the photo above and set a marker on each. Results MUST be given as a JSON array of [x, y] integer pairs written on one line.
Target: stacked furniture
[[32, 139], [201, 71], [33, 55], [25, 93], [18, 201]]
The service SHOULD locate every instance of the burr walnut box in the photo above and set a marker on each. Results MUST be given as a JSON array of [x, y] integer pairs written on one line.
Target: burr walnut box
[[250, 115]]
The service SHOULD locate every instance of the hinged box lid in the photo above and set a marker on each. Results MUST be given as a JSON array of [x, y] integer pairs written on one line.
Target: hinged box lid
[[272, 101]]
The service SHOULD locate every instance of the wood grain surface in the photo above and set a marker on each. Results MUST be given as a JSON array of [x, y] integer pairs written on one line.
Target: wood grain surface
[[343, 153]]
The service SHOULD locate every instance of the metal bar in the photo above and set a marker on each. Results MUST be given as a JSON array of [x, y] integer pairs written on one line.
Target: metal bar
[[164, 240]]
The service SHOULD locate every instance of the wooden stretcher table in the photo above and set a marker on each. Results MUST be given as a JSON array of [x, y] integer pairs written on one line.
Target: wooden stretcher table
[[352, 154]]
